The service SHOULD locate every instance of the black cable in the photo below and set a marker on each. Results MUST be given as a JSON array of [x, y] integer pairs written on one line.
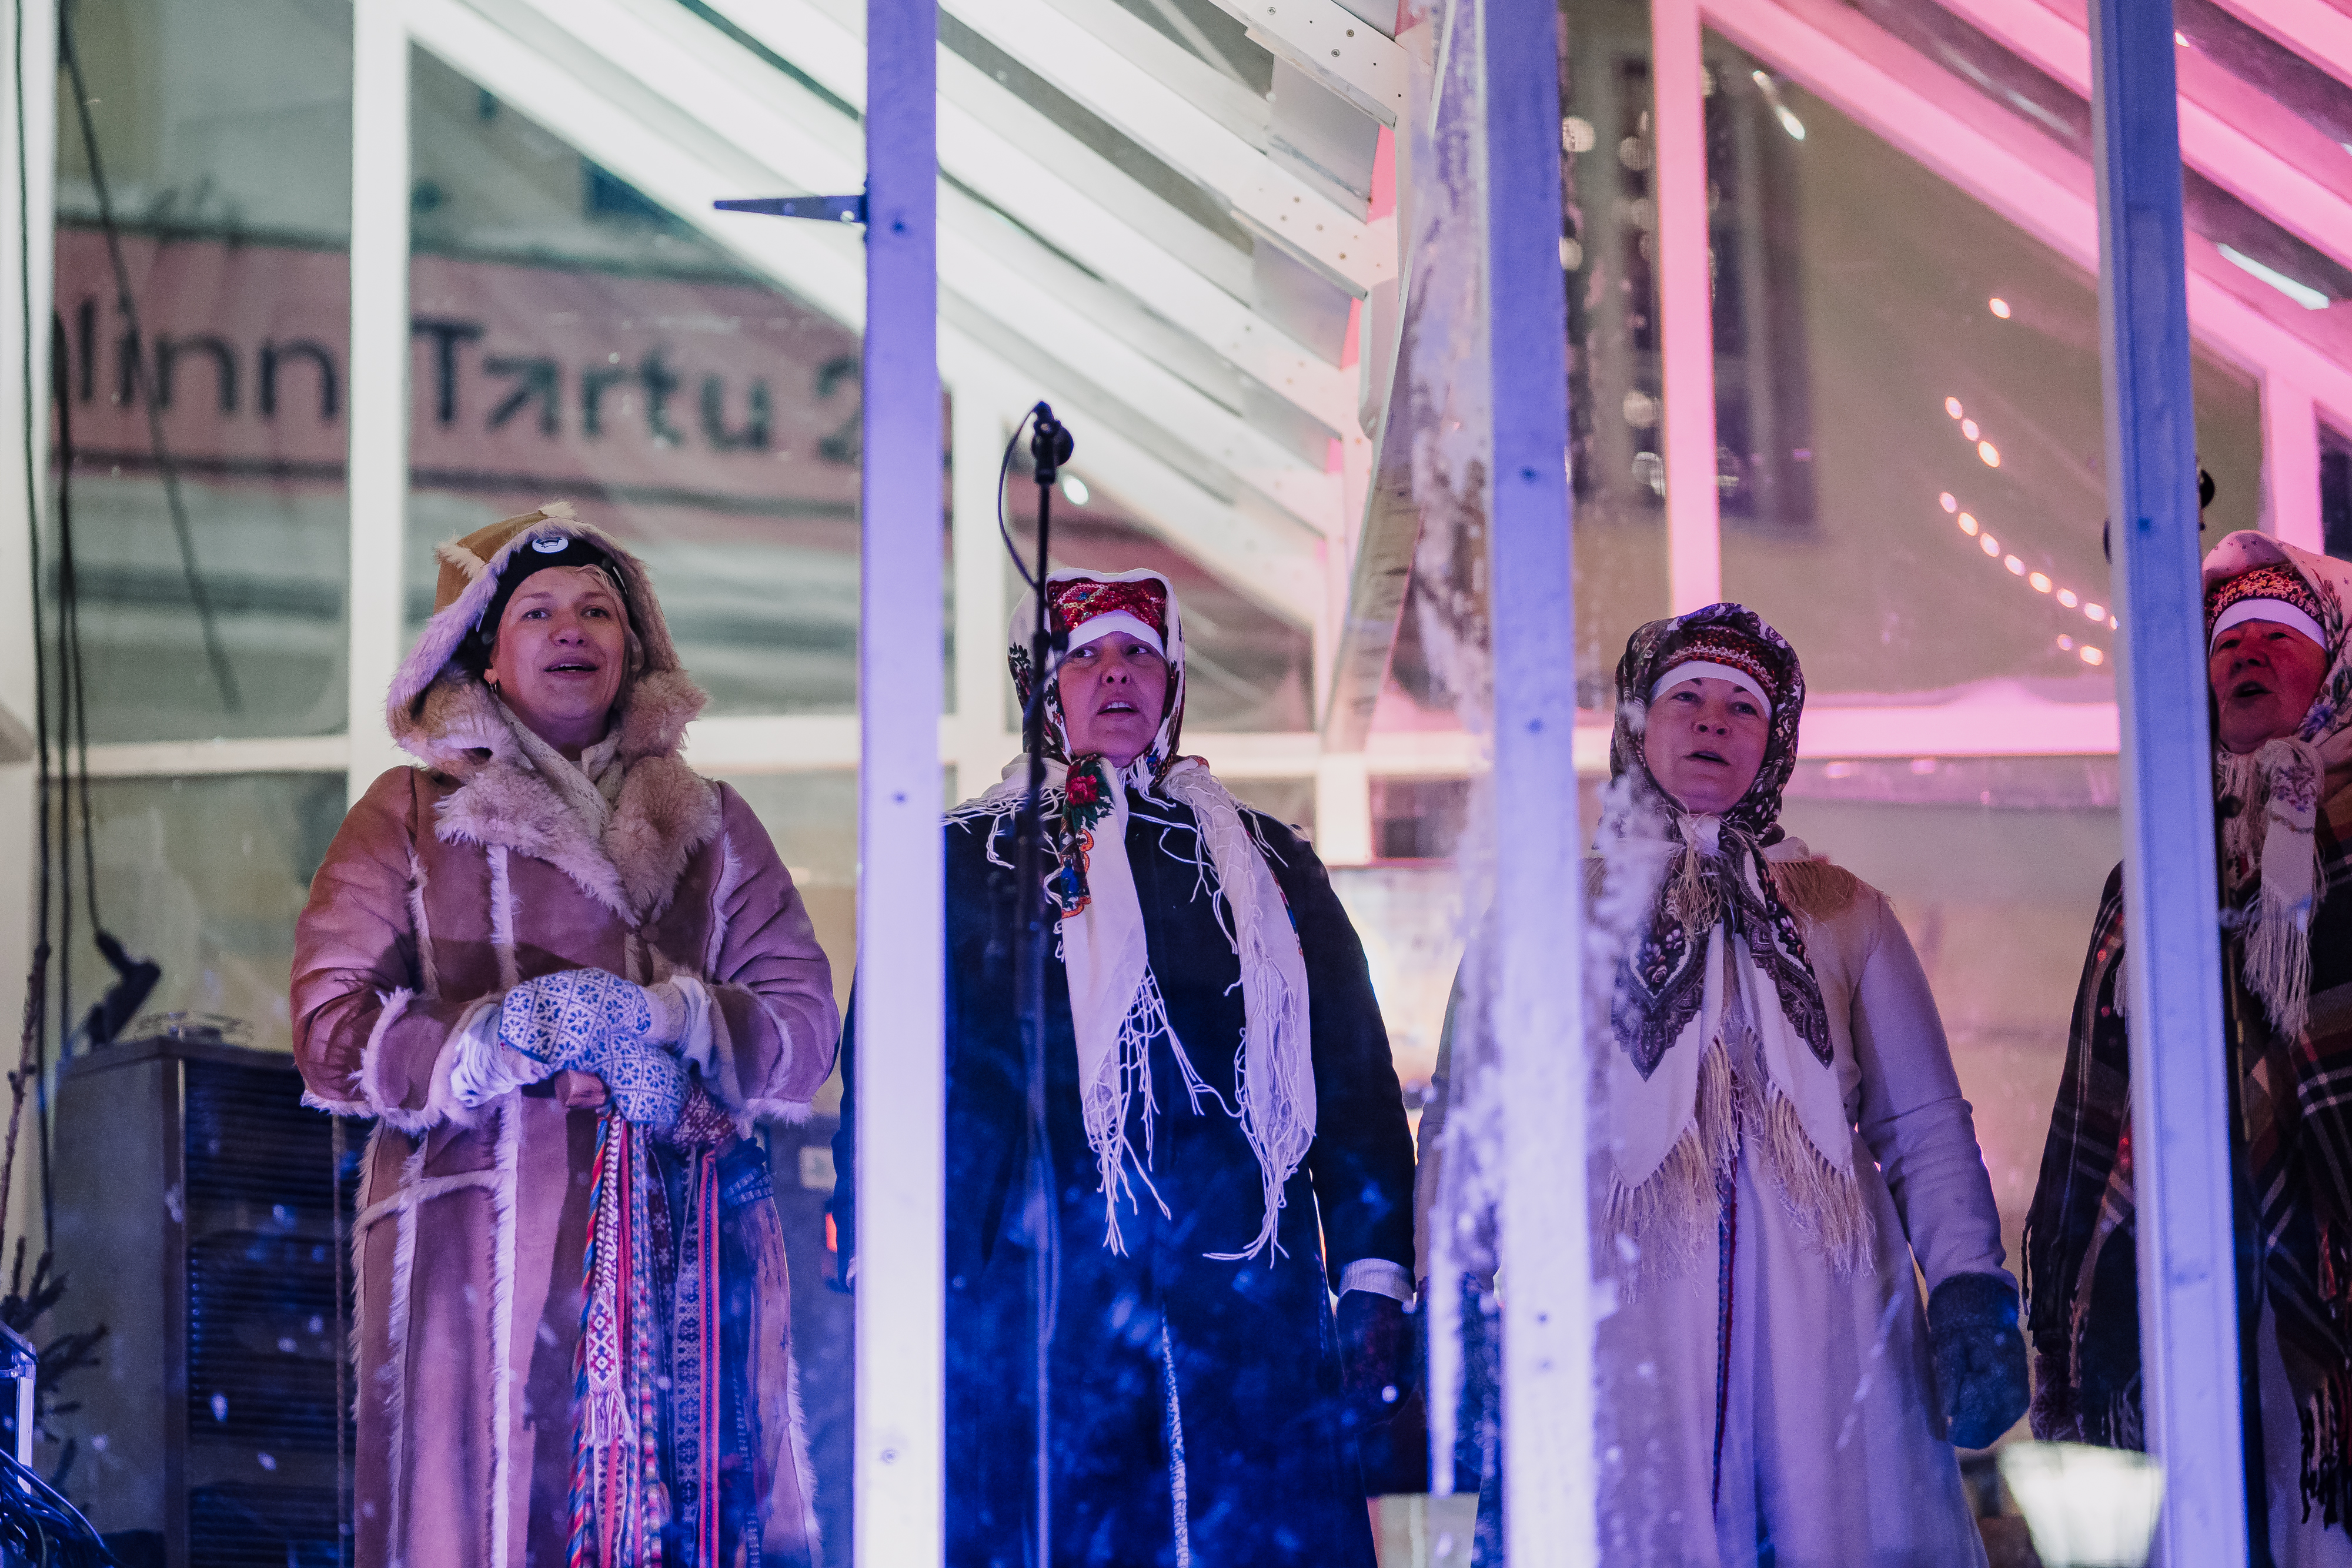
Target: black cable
[[137, 360], [1004, 470]]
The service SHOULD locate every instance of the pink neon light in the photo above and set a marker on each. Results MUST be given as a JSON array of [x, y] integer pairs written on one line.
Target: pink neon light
[[1685, 305]]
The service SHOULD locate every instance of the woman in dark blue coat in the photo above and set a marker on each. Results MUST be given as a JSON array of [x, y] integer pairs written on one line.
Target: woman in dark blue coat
[[1229, 1149]]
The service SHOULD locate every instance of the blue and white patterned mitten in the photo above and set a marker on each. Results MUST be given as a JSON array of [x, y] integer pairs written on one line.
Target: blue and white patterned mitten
[[587, 1020]]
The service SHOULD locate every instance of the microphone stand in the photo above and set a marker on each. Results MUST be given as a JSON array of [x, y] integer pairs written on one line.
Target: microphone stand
[[1050, 445]]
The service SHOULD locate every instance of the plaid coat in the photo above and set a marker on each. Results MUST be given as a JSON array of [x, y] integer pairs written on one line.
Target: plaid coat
[[2291, 1101]]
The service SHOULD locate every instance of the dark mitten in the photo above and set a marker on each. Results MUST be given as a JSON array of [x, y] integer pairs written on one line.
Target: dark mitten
[[1375, 1355], [1979, 1357]]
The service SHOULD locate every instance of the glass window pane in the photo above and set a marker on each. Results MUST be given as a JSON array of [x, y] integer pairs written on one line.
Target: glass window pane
[[205, 877], [208, 438], [1957, 445], [577, 341]]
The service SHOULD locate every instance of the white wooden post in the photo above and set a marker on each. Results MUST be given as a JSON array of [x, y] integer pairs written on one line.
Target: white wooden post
[[901, 1060], [2180, 1142], [1548, 1515], [378, 470]]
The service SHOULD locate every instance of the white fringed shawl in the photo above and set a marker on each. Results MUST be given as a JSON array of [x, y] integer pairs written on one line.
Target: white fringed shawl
[[1116, 1009]]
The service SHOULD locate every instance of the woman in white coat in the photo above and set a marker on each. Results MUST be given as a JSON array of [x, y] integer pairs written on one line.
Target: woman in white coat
[[1784, 1138]]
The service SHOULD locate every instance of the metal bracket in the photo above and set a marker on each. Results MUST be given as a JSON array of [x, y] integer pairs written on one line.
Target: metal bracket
[[834, 209]]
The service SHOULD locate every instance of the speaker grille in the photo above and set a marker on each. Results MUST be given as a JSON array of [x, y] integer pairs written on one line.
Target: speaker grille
[[263, 1526], [263, 1336]]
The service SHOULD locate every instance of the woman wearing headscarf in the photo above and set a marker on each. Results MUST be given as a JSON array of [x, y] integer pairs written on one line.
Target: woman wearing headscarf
[[565, 974], [1228, 1145], [1784, 1140], [2282, 684]]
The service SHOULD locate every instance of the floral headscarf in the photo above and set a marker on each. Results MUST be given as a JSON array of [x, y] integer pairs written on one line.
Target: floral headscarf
[[1659, 987], [2271, 796], [1723, 1037]]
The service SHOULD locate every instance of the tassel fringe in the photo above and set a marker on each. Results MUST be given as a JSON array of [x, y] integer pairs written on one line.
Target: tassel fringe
[[1661, 1227]]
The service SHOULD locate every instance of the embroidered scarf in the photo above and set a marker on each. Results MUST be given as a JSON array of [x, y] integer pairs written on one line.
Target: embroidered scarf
[[1699, 1068], [1115, 1009]]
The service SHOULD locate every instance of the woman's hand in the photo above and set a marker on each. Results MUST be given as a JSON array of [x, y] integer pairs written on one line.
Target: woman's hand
[[580, 1090]]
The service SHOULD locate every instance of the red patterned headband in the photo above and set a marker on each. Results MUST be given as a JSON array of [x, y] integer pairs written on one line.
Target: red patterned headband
[[1077, 601], [2279, 582], [1733, 652]]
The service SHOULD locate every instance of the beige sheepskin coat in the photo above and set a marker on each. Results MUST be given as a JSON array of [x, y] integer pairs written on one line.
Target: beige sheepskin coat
[[449, 883]]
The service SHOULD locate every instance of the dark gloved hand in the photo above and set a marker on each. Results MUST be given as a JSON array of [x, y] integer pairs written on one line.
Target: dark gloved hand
[[1375, 1355], [1979, 1357]]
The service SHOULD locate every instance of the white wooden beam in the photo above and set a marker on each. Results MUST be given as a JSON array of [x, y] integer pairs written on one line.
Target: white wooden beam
[[2292, 192], [1891, 89], [742, 102], [818, 263], [1338, 242], [1339, 49], [2290, 464]]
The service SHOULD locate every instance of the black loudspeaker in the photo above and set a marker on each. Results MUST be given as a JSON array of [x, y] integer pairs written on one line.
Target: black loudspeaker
[[202, 1217]]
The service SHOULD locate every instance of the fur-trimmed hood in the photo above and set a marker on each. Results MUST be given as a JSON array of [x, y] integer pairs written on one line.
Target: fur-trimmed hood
[[441, 713]]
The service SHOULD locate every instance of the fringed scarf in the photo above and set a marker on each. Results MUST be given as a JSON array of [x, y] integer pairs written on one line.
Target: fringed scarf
[[1723, 1037], [1116, 1009], [2286, 853], [679, 1390]]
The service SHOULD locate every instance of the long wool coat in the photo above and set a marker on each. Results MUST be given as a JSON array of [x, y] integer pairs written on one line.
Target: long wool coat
[[1832, 1449], [448, 884], [1834, 1452], [1165, 1359]]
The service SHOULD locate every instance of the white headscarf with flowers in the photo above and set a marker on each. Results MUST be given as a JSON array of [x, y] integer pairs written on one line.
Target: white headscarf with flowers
[[1115, 1008], [2278, 786]]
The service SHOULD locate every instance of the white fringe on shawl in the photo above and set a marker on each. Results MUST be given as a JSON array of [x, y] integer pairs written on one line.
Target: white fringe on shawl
[[1662, 1208], [1116, 1011], [2278, 788]]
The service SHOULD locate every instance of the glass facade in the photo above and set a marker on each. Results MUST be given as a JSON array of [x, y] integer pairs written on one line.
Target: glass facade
[[1247, 260]]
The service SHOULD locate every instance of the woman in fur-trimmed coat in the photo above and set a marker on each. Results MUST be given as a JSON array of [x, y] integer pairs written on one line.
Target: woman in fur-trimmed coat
[[566, 973]]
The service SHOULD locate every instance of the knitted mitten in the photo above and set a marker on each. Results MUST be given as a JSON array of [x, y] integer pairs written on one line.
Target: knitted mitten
[[1979, 1357], [587, 1021]]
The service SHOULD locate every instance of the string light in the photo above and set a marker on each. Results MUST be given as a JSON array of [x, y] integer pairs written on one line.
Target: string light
[[2041, 582], [1999, 306]]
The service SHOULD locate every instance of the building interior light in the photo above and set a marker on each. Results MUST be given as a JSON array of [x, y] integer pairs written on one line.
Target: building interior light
[[2066, 597], [1771, 91], [1075, 488], [2303, 294]]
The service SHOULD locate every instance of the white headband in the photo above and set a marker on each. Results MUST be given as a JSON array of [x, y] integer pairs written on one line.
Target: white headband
[[1112, 621], [1692, 669], [2277, 610]]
